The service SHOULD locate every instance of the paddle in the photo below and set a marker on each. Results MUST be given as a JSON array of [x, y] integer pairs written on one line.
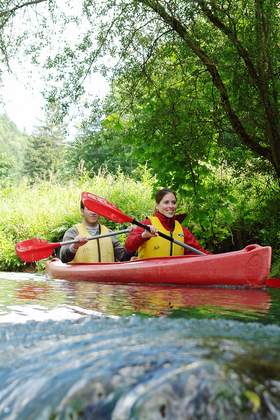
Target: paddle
[[36, 249], [101, 206]]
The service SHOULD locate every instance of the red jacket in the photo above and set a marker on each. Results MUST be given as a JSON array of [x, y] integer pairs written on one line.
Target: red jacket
[[134, 239]]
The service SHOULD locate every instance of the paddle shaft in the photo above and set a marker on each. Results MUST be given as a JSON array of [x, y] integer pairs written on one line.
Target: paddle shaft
[[169, 238], [90, 238], [37, 249]]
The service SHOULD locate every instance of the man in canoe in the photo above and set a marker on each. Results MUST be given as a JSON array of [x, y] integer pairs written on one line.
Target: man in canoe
[[150, 244], [100, 250]]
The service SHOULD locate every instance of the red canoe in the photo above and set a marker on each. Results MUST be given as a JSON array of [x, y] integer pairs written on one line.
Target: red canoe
[[248, 267]]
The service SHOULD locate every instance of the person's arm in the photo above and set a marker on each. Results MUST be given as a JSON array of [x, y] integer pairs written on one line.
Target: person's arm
[[67, 252], [119, 251], [135, 239], [191, 240]]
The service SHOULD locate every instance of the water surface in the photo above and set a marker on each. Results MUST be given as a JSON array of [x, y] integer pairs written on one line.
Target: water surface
[[102, 351]]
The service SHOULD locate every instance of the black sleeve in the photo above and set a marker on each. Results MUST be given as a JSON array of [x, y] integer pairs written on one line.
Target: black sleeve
[[65, 254]]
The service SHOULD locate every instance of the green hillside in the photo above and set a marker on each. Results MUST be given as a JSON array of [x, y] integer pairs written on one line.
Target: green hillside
[[12, 144]]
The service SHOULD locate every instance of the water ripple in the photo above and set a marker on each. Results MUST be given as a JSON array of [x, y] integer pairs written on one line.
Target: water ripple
[[135, 368]]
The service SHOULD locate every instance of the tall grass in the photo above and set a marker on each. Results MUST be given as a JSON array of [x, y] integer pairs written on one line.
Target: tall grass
[[48, 208]]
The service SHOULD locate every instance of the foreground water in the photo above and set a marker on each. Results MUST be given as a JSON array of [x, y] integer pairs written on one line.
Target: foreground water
[[93, 351]]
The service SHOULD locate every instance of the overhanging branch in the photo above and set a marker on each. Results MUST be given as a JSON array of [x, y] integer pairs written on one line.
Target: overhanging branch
[[237, 125], [20, 6]]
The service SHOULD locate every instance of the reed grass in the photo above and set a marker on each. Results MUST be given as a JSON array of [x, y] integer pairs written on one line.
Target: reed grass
[[48, 208]]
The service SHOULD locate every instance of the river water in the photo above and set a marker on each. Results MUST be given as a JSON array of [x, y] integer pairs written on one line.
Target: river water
[[76, 350]]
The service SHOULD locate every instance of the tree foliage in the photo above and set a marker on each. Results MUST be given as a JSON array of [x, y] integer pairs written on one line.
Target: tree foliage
[[44, 154], [12, 146], [234, 47], [100, 145], [41, 158], [195, 93]]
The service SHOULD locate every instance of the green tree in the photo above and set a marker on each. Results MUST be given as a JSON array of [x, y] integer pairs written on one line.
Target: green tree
[[169, 119], [40, 158], [44, 155], [100, 144], [234, 44], [12, 147], [6, 166], [95, 151]]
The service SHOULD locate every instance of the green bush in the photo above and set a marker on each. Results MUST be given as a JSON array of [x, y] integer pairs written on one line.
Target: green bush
[[227, 213]]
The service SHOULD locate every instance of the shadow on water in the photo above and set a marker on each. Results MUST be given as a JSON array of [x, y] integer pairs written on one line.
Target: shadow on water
[[95, 351]]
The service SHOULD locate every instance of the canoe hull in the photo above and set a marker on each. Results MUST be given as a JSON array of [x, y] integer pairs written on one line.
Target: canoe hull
[[248, 267]]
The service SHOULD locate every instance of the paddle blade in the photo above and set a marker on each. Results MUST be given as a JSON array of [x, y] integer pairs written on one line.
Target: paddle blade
[[33, 250], [101, 206]]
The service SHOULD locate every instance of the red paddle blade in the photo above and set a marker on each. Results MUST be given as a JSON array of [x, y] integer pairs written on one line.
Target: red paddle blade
[[101, 206], [33, 250]]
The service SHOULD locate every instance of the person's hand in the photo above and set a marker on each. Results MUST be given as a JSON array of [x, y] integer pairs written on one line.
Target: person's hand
[[81, 242], [153, 232]]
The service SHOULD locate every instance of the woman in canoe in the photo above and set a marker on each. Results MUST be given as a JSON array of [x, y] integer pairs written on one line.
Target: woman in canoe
[[149, 244]]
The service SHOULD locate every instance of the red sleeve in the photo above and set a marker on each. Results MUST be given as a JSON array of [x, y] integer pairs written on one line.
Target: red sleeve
[[191, 240], [134, 239]]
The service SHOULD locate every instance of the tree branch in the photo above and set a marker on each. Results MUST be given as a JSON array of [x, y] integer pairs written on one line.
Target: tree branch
[[260, 78], [20, 6], [237, 125]]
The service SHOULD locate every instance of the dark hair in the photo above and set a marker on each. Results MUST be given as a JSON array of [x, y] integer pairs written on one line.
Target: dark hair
[[161, 193], [82, 205]]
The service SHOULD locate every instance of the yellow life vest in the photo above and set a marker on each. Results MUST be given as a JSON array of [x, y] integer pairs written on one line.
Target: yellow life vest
[[160, 247], [96, 250]]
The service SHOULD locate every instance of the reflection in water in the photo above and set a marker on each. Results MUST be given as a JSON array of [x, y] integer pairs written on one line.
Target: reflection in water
[[158, 300], [31, 292], [29, 297]]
